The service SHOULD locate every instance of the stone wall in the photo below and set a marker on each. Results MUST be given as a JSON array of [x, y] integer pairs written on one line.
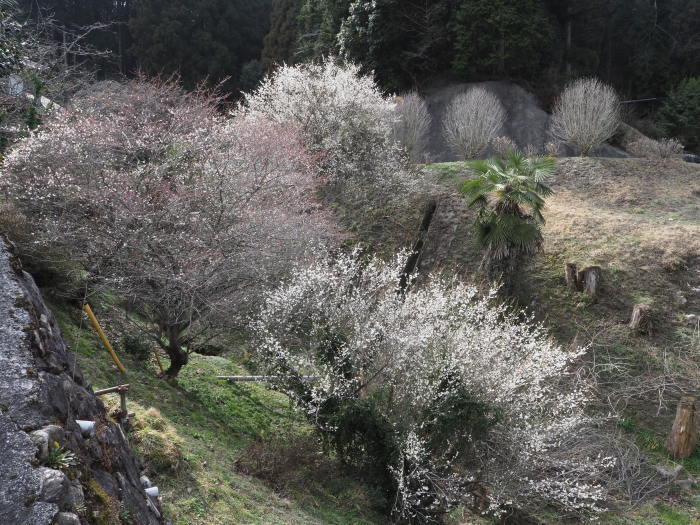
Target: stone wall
[[42, 395]]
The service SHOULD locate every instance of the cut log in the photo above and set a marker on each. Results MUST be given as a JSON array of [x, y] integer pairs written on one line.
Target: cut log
[[571, 277], [683, 439], [589, 280], [641, 319]]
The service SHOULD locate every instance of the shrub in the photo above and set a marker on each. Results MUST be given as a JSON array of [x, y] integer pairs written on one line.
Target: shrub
[[471, 120], [503, 145], [440, 390], [679, 115], [283, 459], [137, 346], [663, 148], [586, 114], [412, 124], [157, 442]]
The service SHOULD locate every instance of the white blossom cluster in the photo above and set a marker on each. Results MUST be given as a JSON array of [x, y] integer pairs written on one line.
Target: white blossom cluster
[[421, 348], [343, 116]]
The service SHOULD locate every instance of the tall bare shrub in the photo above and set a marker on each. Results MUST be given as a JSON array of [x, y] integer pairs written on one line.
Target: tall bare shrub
[[472, 119], [412, 124], [586, 114]]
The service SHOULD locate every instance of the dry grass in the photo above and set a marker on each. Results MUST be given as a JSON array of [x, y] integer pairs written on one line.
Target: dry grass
[[639, 219]]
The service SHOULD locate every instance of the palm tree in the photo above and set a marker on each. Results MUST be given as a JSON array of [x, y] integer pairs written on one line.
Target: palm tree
[[509, 193]]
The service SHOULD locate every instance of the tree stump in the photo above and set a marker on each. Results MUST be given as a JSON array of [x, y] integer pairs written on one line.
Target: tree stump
[[641, 319], [589, 280], [571, 276], [684, 433]]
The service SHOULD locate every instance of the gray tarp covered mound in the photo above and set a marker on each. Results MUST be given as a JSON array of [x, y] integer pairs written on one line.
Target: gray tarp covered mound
[[527, 123], [42, 394]]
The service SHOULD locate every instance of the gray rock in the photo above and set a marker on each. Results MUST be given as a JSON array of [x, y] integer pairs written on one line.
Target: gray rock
[[145, 482], [75, 497], [66, 518], [42, 394], [44, 438], [19, 482], [685, 484], [54, 485]]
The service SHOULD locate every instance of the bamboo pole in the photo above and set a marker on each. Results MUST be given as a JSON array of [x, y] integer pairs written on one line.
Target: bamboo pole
[[160, 365], [103, 337]]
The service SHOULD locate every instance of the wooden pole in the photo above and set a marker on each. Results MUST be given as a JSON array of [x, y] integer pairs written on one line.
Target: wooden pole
[[683, 439], [110, 390], [103, 337], [589, 280]]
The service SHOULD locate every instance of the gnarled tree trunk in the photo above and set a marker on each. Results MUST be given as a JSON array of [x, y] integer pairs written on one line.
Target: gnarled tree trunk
[[684, 433], [177, 354]]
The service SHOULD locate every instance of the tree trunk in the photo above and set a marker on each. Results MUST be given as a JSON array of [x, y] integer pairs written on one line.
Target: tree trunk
[[684, 433], [178, 356], [178, 359], [568, 43], [571, 276], [415, 255], [641, 319], [589, 280]]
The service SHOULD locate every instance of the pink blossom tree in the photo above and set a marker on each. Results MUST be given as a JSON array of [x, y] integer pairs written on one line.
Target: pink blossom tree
[[183, 215]]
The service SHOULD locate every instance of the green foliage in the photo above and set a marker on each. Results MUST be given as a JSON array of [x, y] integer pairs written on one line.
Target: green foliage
[[210, 42], [680, 114], [402, 42], [137, 345], [60, 458], [362, 437], [280, 43], [509, 194], [502, 37], [319, 24], [251, 75]]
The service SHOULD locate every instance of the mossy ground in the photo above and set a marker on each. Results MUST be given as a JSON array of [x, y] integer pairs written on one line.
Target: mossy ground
[[192, 431]]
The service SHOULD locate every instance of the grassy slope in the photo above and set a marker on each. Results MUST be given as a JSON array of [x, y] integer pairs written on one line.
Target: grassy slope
[[210, 423], [640, 221]]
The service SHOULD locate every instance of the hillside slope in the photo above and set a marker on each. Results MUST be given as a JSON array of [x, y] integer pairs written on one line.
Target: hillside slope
[[639, 220], [203, 441]]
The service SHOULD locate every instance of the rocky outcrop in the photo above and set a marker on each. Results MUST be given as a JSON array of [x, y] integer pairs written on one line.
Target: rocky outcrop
[[50, 472]]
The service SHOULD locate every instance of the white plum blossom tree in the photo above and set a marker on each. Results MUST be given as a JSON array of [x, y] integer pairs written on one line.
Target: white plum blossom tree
[[465, 394], [180, 214], [344, 118]]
